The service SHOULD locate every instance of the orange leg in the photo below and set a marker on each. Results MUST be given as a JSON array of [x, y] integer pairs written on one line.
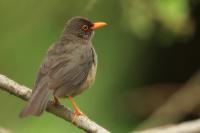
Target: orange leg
[[56, 101], [77, 111]]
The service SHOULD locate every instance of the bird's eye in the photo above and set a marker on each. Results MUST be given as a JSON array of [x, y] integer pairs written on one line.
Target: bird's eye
[[85, 27]]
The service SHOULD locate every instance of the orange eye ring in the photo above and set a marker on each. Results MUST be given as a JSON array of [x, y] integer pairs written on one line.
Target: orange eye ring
[[85, 27]]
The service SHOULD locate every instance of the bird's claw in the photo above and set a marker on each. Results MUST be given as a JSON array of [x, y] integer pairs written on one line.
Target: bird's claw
[[76, 114], [56, 101]]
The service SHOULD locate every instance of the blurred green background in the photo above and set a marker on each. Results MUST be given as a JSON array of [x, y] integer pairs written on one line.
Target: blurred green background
[[146, 42]]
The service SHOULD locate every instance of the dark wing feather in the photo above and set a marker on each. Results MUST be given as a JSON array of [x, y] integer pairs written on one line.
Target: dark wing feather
[[65, 68], [51, 61], [65, 80]]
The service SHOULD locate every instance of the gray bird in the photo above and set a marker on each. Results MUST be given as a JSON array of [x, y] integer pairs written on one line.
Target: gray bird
[[68, 68]]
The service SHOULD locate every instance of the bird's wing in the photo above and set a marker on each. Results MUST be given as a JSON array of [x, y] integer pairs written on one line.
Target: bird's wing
[[67, 71], [71, 74], [70, 79], [49, 62]]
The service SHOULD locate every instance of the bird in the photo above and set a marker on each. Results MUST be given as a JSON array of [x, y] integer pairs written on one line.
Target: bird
[[68, 68]]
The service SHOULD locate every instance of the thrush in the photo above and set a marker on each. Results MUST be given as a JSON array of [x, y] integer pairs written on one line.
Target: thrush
[[68, 69]]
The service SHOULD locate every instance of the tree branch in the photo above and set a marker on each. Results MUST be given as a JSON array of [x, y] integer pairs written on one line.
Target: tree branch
[[65, 113], [185, 127]]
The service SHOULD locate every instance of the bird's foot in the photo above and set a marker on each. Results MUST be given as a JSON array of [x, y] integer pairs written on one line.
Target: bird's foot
[[56, 101], [77, 111], [76, 114]]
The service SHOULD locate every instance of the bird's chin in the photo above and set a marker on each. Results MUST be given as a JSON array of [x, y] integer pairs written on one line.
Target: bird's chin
[[86, 36], [91, 35]]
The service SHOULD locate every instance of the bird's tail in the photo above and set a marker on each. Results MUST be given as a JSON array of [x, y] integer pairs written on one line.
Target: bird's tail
[[37, 103]]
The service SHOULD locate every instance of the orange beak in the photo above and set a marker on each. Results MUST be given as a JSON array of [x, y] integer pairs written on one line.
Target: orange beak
[[98, 25]]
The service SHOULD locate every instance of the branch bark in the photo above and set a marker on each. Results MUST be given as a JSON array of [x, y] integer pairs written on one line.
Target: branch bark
[[65, 113], [186, 127]]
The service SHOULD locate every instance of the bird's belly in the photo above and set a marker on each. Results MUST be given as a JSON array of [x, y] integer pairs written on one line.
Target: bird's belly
[[89, 81]]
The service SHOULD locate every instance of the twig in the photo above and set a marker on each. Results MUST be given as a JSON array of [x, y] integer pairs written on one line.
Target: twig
[[186, 127], [65, 113]]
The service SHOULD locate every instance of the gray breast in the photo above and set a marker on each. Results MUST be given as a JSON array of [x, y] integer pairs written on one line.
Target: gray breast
[[91, 75]]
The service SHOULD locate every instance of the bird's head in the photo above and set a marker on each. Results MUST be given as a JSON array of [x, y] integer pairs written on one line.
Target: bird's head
[[82, 27]]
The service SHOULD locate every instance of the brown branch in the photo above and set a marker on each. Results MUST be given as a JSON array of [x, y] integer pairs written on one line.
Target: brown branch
[[65, 113], [186, 127]]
